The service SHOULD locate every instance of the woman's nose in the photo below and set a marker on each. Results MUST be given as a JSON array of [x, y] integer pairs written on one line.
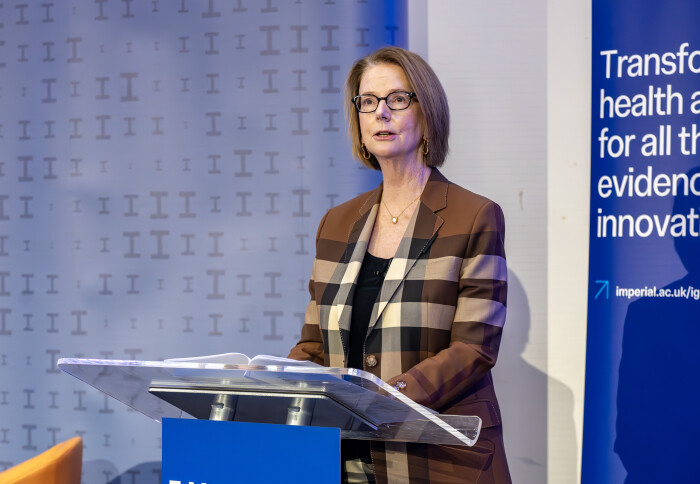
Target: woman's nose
[[383, 111]]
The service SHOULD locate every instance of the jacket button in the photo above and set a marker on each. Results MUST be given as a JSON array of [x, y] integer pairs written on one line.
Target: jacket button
[[371, 360], [400, 385]]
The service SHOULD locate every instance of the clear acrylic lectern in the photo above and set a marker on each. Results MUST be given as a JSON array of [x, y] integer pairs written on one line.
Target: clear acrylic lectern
[[361, 405]]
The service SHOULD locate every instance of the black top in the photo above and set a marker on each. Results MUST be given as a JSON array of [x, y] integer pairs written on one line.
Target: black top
[[369, 282]]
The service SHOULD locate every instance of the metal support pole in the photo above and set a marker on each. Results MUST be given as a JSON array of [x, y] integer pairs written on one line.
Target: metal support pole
[[223, 407], [300, 411]]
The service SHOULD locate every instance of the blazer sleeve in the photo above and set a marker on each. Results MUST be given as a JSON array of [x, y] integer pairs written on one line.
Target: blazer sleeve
[[310, 345], [478, 321]]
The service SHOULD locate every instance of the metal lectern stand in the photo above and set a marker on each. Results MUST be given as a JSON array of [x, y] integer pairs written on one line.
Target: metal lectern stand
[[358, 403]]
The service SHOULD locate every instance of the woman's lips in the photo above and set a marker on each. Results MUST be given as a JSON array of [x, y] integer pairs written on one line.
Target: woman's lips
[[384, 135]]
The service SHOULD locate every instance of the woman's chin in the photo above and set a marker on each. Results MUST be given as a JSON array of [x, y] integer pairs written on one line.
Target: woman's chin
[[387, 156]]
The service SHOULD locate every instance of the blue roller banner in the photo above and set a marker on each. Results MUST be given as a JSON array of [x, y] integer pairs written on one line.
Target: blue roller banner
[[641, 422]]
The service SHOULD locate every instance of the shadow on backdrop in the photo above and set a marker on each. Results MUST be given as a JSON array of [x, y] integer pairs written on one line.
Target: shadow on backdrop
[[658, 394], [103, 471], [522, 393]]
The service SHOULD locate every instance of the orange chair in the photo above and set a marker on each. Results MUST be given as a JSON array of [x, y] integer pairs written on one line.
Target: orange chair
[[61, 464]]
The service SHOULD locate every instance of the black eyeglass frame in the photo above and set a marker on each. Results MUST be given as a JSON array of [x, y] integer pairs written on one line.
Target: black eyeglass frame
[[410, 94]]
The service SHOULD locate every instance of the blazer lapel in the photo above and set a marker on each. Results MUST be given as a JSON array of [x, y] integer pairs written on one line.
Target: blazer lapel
[[358, 240], [420, 233]]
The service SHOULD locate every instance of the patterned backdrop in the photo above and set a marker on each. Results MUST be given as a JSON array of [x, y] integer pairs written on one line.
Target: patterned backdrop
[[164, 165]]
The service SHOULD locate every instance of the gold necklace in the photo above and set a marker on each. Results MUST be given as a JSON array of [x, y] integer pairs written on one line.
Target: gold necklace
[[395, 218]]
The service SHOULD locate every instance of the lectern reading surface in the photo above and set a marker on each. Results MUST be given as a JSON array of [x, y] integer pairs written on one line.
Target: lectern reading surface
[[361, 405]]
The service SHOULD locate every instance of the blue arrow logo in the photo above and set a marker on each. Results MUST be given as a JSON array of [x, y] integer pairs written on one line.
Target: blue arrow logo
[[603, 285]]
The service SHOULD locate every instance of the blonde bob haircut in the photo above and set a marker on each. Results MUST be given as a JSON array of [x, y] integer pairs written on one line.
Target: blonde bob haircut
[[430, 95]]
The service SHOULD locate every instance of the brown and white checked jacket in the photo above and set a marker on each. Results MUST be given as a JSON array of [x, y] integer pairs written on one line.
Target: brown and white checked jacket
[[436, 325]]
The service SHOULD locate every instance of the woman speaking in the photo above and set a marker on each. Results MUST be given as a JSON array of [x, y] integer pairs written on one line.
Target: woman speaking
[[409, 281]]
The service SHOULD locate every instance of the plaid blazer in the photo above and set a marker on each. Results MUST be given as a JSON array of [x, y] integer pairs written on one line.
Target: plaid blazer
[[435, 328]]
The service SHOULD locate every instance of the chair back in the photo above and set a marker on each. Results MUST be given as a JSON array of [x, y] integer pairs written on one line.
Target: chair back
[[61, 464]]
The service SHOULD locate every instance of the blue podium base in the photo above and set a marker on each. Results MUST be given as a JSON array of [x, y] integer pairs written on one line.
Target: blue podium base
[[204, 451]]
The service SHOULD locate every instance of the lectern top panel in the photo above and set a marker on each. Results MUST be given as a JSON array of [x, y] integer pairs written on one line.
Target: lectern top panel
[[373, 409]]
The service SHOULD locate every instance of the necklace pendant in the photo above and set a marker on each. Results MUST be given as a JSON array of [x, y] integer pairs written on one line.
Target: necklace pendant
[[394, 220]]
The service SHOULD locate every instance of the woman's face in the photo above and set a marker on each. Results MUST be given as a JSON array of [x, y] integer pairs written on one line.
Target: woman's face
[[390, 134]]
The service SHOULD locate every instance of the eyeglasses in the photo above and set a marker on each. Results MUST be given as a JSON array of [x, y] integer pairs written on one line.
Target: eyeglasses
[[396, 101]]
